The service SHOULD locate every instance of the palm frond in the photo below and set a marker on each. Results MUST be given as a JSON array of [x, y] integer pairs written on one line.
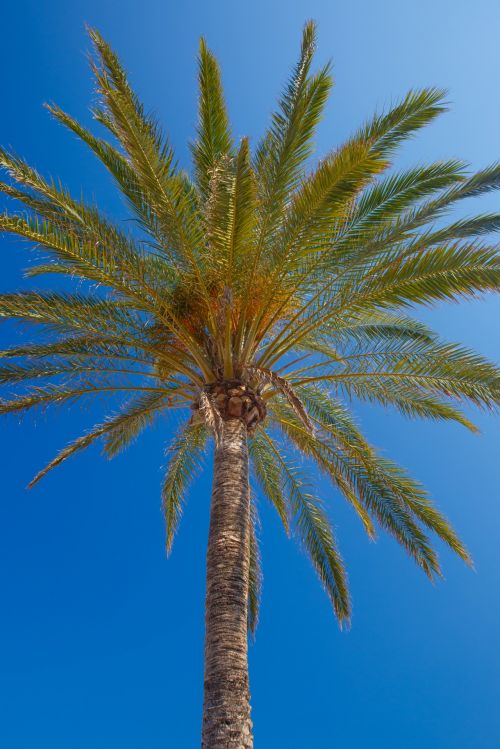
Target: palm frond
[[316, 535], [119, 430], [388, 130], [438, 368], [57, 394], [255, 574], [338, 426], [267, 472], [71, 312], [214, 140], [133, 418], [386, 508], [334, 420], [152, 159], [127, 181], [391, 197], [185, 454], [242, 217], [284, 387], [287, 143]]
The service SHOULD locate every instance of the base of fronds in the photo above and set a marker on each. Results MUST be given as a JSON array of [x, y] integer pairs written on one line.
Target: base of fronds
[[235, 400]]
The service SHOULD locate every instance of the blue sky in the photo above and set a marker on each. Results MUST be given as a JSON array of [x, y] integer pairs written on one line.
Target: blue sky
[[101, 638]]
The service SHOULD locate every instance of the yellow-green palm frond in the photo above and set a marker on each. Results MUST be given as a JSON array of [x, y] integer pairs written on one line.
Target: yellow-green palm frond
[[374, 495], [172, 200], [214, 140], [255, 574], [403, 225], [437, 369], [287, 142], [137, 414], [70, 312], [117, 430], [389, 197], [328, 229], [230, 215], [443, 273], [282, 152], [57, 394], [128, 183], [449, 272], [184, 454], [388, 130], [359, 328], [314, 531], [242, 217], [268, 476], [337, 429]]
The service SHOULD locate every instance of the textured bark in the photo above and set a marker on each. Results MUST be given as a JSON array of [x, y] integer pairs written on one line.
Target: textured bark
[[226, 709]]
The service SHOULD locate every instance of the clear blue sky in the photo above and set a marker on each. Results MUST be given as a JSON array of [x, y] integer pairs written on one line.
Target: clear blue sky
[[101, 638]]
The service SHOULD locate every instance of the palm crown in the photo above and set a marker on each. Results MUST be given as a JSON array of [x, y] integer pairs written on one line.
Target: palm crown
[[262, 290]]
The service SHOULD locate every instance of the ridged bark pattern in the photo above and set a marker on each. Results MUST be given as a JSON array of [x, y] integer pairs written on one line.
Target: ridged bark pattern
[[226, 710]]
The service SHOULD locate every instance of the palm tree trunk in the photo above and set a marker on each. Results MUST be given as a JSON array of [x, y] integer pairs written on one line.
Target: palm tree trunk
[[226, 709]]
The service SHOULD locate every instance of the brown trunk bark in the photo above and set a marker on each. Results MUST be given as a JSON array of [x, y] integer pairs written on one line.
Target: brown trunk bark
[[226, 709]]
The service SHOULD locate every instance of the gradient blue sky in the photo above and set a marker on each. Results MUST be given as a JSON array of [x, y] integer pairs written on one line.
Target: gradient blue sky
[[101, 638]]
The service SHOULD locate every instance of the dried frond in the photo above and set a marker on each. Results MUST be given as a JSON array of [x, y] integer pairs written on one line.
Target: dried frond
[[283, 386], [211, 416]]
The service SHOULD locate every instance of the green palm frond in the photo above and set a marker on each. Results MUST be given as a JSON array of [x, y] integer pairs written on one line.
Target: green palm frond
[[443, 273], [403, 226], [444, 369], [242, 217], [385, 507], [214, 135], [388, 130], [15, 373], [287, 143], [134, 417], [264, 459], [118, 430], [79, 444], [388, 198], [56, 394], [230, 214], [184, 453], [268, 475], [315, 533], [152, 159], [359, 328], [416, 499], [325, 198], [96, 252], [102, 247], [327, 195], [71, 312], [80, 346], [128, 183], [411, 401], [76, 313], [336, 424], [255, 576]]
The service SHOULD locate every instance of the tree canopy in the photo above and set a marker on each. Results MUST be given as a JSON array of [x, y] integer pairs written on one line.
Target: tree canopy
[[297, 281]]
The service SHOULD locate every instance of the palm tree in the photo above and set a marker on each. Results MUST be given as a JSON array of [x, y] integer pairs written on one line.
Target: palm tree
[[260, 297]]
